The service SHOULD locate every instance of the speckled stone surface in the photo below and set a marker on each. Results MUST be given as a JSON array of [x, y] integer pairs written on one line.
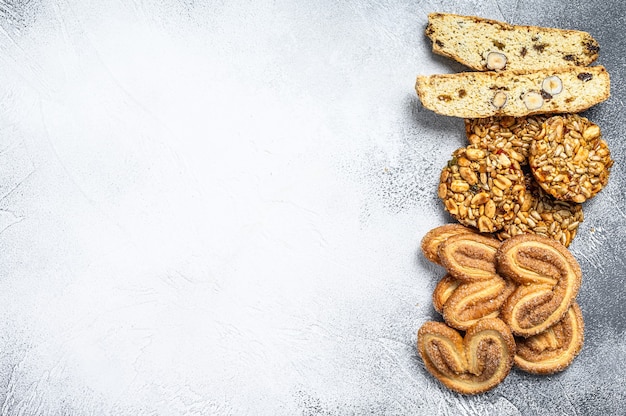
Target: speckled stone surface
[[215, 208]]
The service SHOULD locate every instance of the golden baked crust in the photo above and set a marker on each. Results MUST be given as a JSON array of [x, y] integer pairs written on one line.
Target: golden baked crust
[[472, 364], [470, 39], [513, 93], [444, 289], [548, 276], [554, 349], [433, 238], [470, 257], [467, 303]]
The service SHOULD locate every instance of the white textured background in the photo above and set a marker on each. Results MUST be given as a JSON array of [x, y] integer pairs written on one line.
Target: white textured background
[[215, 208]]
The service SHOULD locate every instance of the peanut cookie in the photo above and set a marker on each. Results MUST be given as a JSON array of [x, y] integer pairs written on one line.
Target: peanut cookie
[[571, 162], [514, 134], [481, 188], [542, 214]]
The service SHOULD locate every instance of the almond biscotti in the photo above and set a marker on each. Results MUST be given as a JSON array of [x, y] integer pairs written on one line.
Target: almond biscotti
[[484, 44], [514, 93]]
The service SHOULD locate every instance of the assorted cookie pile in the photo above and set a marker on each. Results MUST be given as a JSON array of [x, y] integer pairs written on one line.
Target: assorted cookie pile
[[526, 175], [517, 191], [515, 300]]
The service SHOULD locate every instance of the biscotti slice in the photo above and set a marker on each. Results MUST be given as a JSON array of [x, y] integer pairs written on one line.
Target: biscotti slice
[[484, 44], [514, 93]]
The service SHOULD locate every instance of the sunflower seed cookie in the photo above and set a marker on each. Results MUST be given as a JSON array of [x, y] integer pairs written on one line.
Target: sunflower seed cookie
[[514, 134], [482, 189], [570, 162], [542, 214]]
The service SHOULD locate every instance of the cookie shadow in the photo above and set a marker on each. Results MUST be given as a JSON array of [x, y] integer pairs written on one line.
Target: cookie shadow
[[433, 124]]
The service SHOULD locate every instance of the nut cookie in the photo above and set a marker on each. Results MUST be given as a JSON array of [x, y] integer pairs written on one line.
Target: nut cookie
[[542, 214], [513, 93], [571, 162], [482, 189], [514, 134], [485, 44]]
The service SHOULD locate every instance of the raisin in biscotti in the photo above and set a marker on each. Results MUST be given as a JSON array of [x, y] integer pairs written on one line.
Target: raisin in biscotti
[[484, 44], [513, 93]]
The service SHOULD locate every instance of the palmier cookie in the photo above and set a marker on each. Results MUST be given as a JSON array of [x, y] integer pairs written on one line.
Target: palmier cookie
[[481, 188], [464, 304], [542, 214], [472, 364], [470, 257], [433, 238], [513, 134], [548, 276], [554, 349], [571, 162], [444, 289]]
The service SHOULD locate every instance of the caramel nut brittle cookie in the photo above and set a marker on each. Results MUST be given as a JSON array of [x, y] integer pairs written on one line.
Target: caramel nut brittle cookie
[[436, 236], [481, 188], [472, 364], [554, 349], [544, 215], [548, 276], [513, 134], [571, 162]]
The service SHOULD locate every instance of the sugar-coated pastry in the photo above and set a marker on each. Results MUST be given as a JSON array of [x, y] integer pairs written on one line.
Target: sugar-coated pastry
[[470, 302], [470, 257], [472, 364], [548, 276], [436, 236], [554, 349]]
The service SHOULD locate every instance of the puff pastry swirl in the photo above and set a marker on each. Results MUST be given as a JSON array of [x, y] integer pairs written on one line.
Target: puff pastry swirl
[[548, 276], [436, 236], [554, 349], [463, 304], [470, 257], [472, 364]]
